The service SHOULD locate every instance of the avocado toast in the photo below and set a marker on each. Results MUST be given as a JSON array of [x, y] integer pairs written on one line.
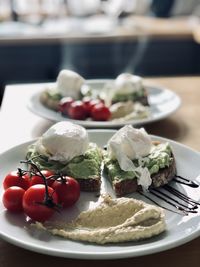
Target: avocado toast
[[138, 96], [65, 149], [129, 87], [154, 169]]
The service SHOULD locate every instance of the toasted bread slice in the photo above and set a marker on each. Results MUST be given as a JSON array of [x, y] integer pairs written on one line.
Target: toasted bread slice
[[86, 169], [129, 183], [161, 178]]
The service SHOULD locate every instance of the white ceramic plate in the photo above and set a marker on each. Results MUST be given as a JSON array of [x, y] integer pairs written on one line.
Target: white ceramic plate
[[180, 229], [163, 102]]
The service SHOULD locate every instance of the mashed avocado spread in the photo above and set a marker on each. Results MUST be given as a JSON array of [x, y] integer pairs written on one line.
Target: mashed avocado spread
[[159, 157], [82, 167], [121, 97], [54, 95]]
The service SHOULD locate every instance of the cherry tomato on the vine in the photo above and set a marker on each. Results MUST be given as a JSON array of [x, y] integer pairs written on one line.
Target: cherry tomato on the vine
[[77, 111], [16, 178], [12, 198], [65, 104], [68, 191], [36, 204], [100, 112], [87, 105], [37, 179]]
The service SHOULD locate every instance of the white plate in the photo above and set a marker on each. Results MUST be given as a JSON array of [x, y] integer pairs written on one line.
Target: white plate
[[163, 102], [180, 229]]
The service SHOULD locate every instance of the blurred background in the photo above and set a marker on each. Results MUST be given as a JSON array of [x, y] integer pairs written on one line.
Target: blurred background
[[97, 38]]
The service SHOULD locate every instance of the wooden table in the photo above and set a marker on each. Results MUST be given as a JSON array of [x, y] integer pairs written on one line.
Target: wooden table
[[18, 125]]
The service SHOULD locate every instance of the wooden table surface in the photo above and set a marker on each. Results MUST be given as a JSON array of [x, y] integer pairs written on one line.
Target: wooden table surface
[[18, 125]]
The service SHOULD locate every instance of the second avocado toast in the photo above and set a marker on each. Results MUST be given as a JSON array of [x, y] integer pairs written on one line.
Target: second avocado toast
[[129, 168]]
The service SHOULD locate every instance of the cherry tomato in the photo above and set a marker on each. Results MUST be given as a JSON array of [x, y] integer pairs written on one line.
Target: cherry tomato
[[36, 205], [77, 111], [100, 112], [94, 102], [87, 105], [12, 198], [37, 179], [16, 178], [68, 191], [65, 104]]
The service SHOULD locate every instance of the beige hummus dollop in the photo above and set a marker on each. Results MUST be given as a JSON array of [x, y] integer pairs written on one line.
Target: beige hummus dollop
[[112, 221]]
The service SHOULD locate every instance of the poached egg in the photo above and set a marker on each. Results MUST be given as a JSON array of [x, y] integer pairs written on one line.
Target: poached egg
[[63, 141], [124, 84], [128, 144], [69, 83], [127, 83]]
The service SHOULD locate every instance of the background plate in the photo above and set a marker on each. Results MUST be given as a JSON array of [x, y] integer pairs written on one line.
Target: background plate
[[163, 102]]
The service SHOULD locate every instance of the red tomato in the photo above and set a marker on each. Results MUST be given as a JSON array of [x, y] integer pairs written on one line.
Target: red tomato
[[37, 179], [87, 105], [68, 191], [36, 205], [100, 112], [95, 102], [12, 198], [15, 178], [77, 111], [65, 104]]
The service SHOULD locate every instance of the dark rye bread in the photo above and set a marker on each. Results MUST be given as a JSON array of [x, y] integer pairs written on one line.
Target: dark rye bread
[[161, 178], [143, 100], [90, 185]]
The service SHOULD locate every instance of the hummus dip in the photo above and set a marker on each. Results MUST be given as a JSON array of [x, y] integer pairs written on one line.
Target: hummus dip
[[112, 221]]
